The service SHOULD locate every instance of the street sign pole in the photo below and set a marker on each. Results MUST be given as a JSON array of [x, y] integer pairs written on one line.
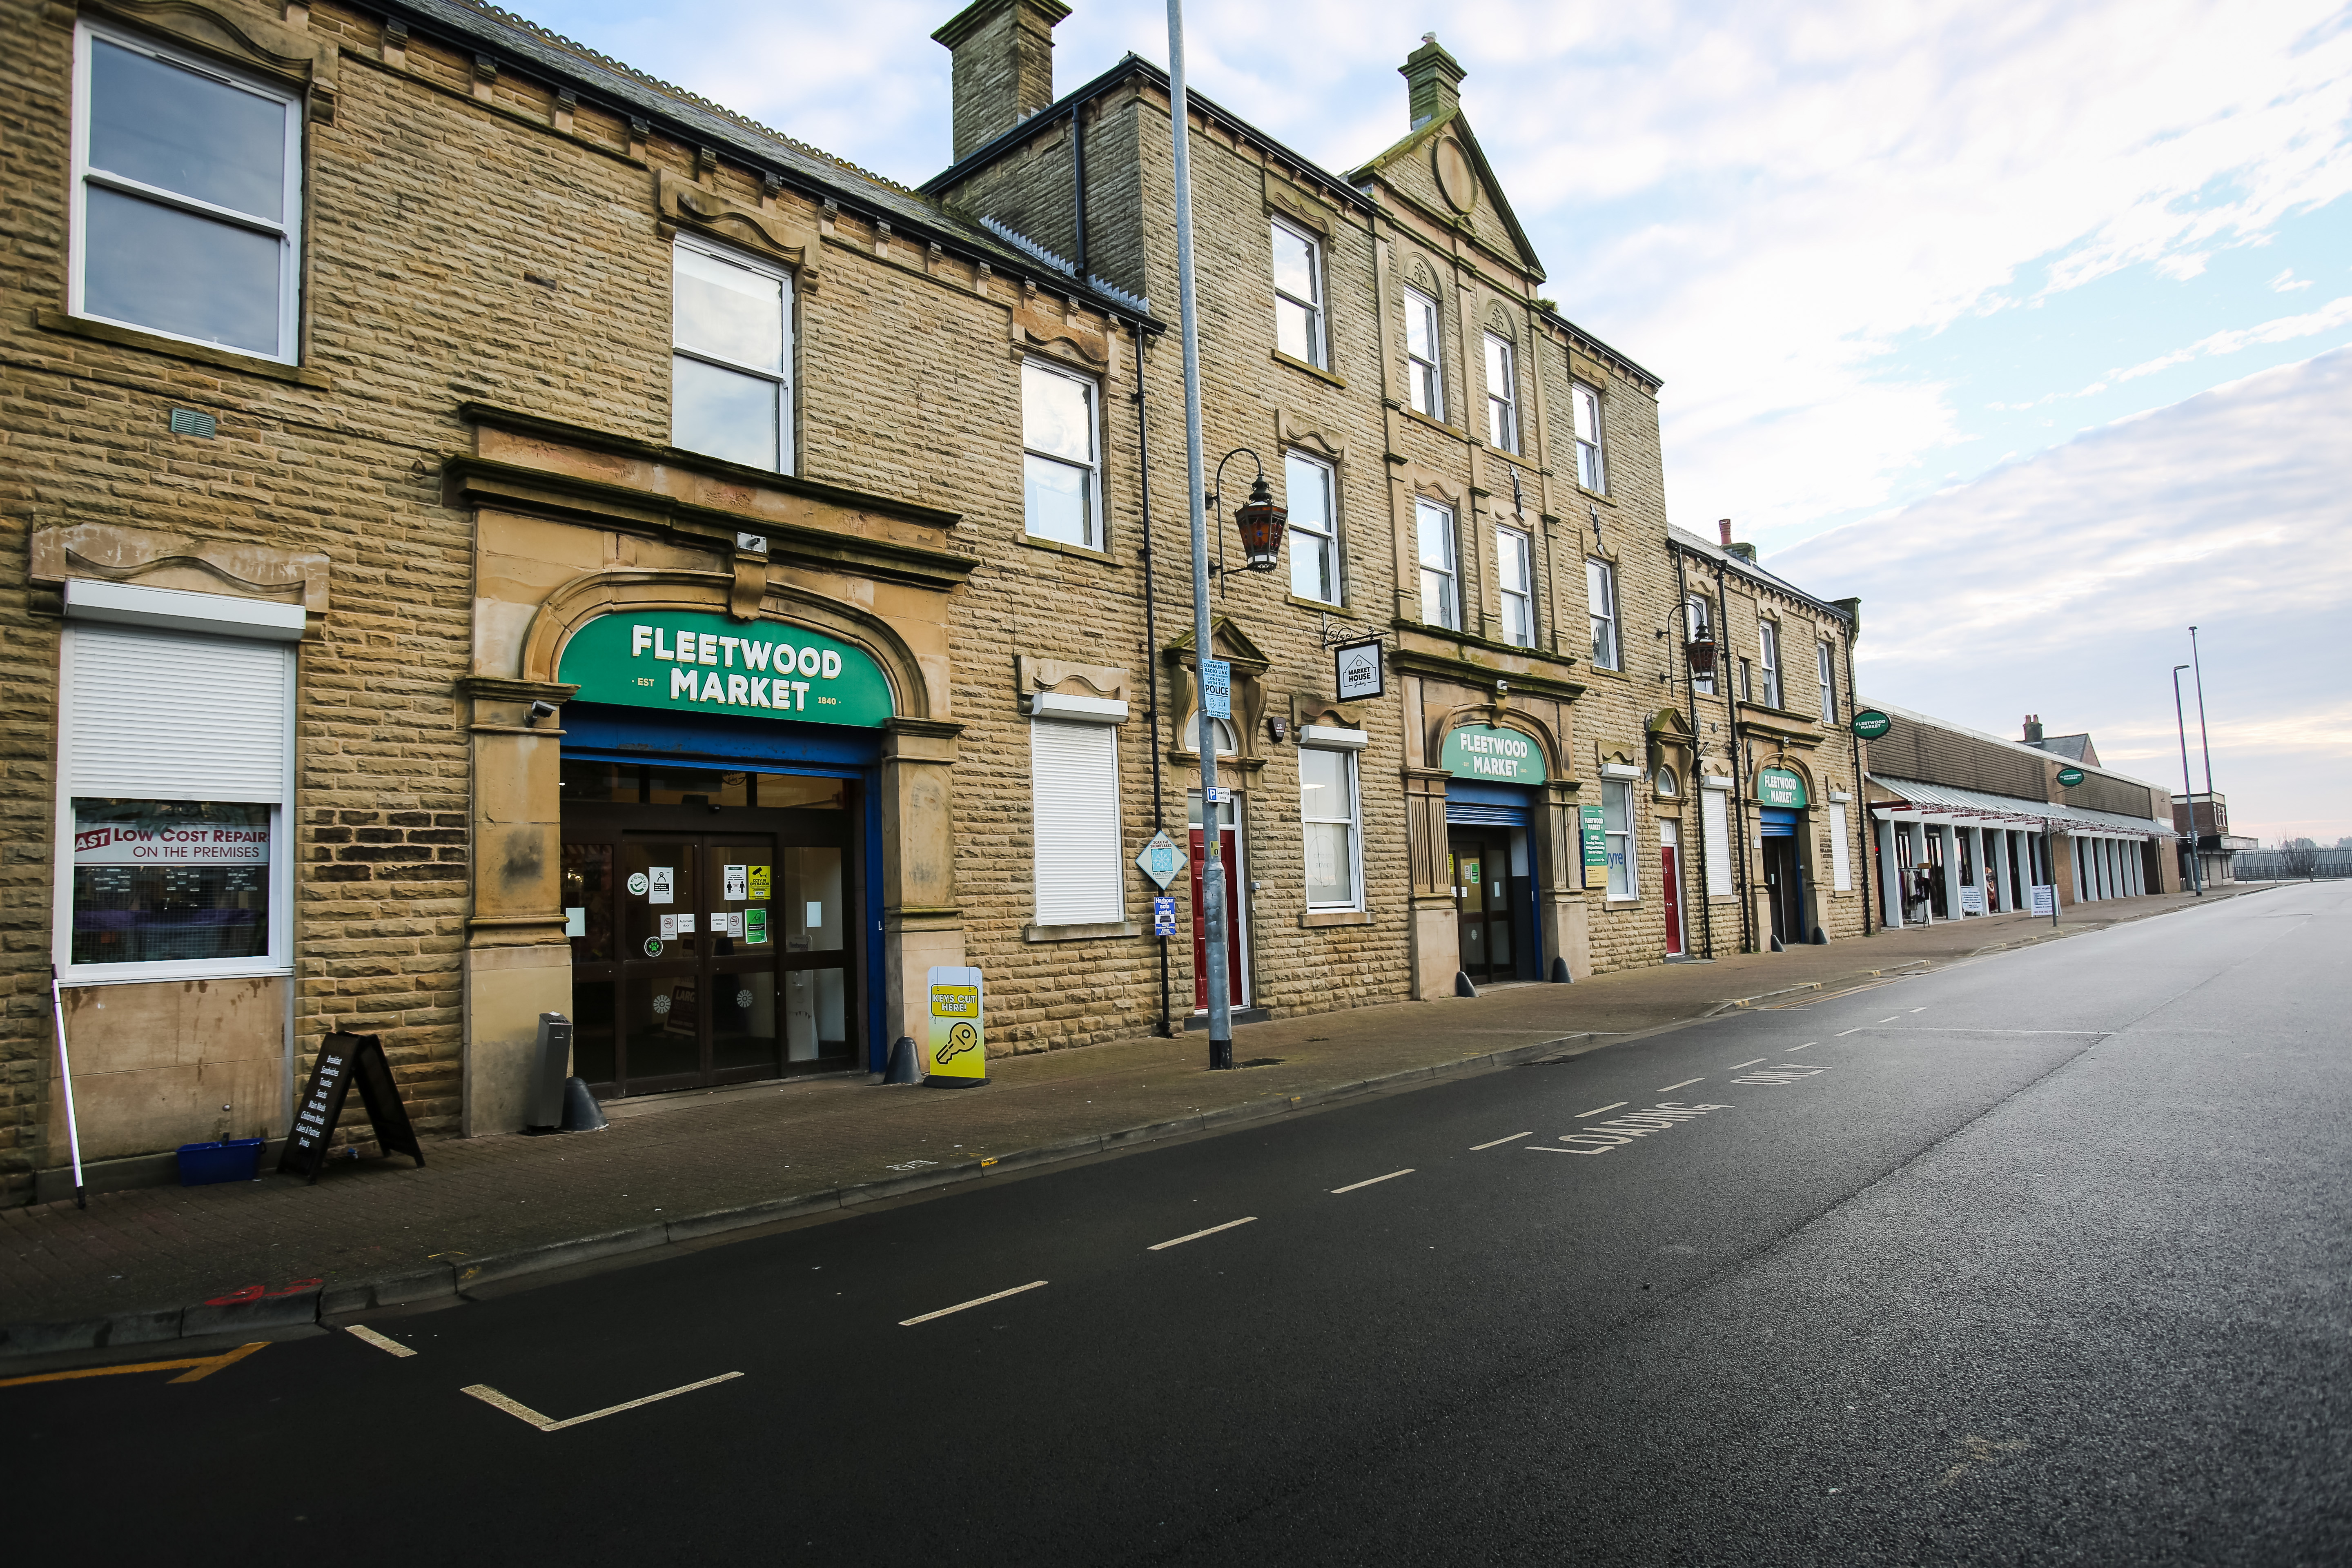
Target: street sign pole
[[1212, 864]]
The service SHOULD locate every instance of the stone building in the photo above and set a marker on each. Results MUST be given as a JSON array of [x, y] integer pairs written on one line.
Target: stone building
[[547, 544], [1778, 831]]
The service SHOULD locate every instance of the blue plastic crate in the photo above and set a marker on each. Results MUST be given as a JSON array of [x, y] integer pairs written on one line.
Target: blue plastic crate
[[238, 1160]]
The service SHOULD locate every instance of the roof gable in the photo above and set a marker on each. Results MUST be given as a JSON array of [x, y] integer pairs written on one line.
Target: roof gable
[[1441, 169]]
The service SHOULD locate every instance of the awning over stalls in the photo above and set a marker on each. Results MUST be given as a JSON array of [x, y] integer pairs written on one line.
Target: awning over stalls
[[2011, 811]]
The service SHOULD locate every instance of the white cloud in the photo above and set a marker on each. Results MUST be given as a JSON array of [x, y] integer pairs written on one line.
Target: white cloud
[[2286, 282], [2064, 585], [2284, 329]]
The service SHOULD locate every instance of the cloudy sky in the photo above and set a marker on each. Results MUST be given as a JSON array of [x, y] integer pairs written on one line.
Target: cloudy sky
[[2027, 323]]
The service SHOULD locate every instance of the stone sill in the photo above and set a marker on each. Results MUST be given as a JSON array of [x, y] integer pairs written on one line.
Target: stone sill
[[156, 342], [1321, 920], [1325, 376], [1079, 552], [1081, 932]]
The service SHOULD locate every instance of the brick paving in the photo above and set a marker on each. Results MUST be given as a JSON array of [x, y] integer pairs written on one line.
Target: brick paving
[[162, 1247]]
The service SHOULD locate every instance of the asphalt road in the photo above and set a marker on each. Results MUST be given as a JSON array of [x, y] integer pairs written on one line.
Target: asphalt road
[[2042, 1259]]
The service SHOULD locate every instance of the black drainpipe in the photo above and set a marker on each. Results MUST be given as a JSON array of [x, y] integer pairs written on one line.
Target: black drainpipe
[[1698, 745], [1739, 881], [1152, 639]]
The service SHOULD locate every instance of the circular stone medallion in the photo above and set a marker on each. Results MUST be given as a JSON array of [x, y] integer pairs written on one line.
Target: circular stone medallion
[[1455, 183]]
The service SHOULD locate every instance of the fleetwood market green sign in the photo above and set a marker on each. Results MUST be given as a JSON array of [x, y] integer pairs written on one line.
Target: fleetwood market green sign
[[1870, 723], [683, 661], [1778, 786], [2070, 777], [1483, 751]]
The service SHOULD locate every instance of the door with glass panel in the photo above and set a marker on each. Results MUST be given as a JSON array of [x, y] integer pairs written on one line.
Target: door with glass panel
[[1483, 904], [710, 914]]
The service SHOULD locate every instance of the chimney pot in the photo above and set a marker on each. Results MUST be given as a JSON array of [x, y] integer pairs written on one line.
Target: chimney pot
[[1726, 527], [1434, 80], [1003, 71]]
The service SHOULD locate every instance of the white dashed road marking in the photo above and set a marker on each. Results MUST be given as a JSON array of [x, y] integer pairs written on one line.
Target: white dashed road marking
[[1737, 1065], [383, 1342], [522, 1412], [1181, 1240], [1599, 1108], [1499, 1141], [1808, 1046], [1842, 1034], [975, 1301], [1391, 1176], [1684, 1084]]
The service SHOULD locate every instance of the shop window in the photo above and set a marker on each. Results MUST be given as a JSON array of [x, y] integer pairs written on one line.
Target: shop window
[[730, 364], [1829, 682], [1617, 827], [1074, 786], [1441, 599], [1424, 356], [1331, 821], [1062, 468], [1299, 295], [1585, 406], [187, 198], [1313, 501], [1698, 623], [1502, 395], [176, 752], [1514, 569], [1600, 594], [1767, 639]]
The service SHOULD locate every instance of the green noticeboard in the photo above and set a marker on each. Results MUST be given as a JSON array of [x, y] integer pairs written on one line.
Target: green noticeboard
[[1503, 756], [1596, 841], [1777, 786], [1870, 723], [685, 661], [2070, 777]]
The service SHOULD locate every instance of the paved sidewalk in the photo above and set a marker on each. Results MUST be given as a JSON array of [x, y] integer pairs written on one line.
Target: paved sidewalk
[[163, 1262]]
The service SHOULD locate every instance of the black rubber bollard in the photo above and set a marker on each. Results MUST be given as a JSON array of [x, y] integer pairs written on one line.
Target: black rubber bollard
[[1560, 975], [1777, 947], [905, 1062], [1818, 938], [1461, 987], [580, 1112]]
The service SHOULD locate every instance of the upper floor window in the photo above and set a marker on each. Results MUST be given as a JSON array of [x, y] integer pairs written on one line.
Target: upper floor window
[[1502, 395], [1313, 528], [187, 199], [1746, 680], [1698, 621], [1767, 640], [1424, 357], [730, 361], [1829, 683], [1061, 468], [1440, 600], [1600, 590], [1298, 295], [1586, 405], [1514, 571], [1332, 826]]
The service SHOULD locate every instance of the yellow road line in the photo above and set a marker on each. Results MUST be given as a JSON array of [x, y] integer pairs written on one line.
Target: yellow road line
[[196, 1368]]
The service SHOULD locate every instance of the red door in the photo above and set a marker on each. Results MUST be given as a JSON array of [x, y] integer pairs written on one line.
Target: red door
[[1201, 922], [1670, 867]]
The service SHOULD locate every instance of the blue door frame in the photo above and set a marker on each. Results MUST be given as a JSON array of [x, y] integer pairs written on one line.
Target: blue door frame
[[596, 732]]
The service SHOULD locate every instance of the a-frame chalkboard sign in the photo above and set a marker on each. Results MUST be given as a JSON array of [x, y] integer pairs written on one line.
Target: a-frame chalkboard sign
[[343, 1058]]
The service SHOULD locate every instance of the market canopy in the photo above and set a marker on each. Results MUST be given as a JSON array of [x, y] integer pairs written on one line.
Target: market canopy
[[2013, 810]]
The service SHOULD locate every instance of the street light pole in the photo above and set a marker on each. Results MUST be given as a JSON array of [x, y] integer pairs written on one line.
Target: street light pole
[[2204, 743], [2188, 785], [1213, 866]]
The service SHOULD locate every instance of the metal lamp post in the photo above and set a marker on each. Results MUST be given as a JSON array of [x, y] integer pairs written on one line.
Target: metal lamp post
[[2204, 744], [2188, 785]]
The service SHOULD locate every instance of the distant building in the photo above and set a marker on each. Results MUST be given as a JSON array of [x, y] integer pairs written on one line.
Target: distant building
[[2073, 748], [2205, 817]]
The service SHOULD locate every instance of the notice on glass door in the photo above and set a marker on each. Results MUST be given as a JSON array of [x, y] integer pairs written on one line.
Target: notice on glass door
[[661, 884], [759, 893], [734, 879], [755, 925], [669, 927]]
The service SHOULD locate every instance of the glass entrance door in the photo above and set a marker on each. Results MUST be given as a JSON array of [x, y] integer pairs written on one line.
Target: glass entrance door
[[711, 930], [1482, 902]]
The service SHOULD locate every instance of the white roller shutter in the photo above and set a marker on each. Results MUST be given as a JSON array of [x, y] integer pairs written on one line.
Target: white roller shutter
[[155, 715], [1073, 790], [1715, 818], [1841, 855]]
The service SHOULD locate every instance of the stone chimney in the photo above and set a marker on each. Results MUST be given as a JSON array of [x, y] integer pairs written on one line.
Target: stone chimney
[[1003, 71], [2034, 728], [1434, 77]]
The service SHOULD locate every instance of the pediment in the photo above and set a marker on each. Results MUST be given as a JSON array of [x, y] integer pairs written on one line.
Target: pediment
[[1441, 169]]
